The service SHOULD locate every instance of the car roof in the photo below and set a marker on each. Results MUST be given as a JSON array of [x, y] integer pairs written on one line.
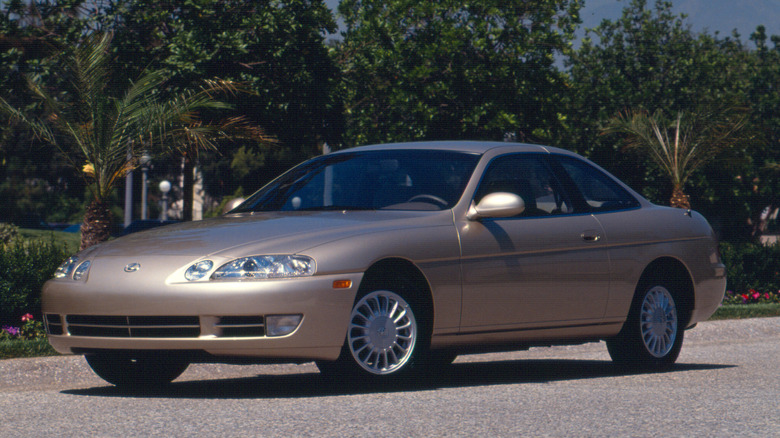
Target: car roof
[[478, 147]]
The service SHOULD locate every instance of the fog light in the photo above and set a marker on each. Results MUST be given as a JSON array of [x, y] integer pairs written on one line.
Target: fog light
[[280, 325]]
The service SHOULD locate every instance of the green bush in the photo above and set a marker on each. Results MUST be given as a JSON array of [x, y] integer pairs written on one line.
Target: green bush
[[751, 266], [24, 267], [8, 232]]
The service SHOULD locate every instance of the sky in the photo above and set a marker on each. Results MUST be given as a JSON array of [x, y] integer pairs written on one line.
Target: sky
[[721, 16]]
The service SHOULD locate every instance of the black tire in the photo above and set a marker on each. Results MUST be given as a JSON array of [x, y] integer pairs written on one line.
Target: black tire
[[653, 333], [388, 335], [140, 370]]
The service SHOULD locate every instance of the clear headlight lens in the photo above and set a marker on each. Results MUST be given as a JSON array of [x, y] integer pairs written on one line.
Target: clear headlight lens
[[81, 271], [66, 268], [71, 269], [267, 266], [198, 270]]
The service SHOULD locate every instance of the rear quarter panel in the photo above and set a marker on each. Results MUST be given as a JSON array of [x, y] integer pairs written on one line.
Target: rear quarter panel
[[638, 237]]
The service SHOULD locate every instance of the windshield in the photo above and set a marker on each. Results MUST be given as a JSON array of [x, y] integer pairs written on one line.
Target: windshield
[[369, 180]]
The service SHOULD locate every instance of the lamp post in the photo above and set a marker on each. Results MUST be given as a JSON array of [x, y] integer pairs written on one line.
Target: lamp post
[[129, 192], [165, 187], [145, 161]]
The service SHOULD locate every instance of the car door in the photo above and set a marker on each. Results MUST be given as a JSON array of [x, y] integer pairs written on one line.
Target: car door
[[548, 266]]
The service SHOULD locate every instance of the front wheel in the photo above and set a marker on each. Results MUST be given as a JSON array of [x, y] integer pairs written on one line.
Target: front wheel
[[142, 370], [383, 332], [384, 337], [652, 336]]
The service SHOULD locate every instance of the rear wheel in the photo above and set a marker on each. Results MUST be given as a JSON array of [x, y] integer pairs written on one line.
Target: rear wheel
[[124, 369], [652, 335]]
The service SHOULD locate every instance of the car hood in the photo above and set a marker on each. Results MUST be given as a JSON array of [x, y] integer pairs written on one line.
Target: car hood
[[264, 233]]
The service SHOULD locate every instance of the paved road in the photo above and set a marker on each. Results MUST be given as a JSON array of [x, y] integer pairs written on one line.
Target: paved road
[[727, 383]]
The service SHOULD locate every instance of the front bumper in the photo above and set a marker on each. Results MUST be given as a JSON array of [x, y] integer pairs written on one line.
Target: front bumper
[[219, 318]]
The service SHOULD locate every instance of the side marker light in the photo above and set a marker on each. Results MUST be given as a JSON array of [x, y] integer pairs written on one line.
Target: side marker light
[[342, 284]]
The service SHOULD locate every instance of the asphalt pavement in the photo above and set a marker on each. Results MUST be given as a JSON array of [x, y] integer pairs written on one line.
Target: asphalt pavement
[[726, 383]]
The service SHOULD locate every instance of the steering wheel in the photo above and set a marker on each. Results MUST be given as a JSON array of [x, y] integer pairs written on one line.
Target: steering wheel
[[426, 197]]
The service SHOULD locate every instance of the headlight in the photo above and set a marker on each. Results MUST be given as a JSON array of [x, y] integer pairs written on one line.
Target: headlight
[[198, 270], [81, 271], [71, 269], [66, 268], [268, 266]]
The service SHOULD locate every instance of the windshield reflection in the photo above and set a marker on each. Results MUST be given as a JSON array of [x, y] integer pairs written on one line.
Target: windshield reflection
[[368, 180]]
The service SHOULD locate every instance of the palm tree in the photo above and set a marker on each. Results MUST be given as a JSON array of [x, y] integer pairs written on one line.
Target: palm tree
[[104, 130], [190, 141], [682, 145]]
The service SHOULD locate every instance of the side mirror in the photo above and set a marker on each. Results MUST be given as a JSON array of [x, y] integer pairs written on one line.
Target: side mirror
[[499, 204]]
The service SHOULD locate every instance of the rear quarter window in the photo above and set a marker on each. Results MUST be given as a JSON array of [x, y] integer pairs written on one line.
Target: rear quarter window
[[600, 191]]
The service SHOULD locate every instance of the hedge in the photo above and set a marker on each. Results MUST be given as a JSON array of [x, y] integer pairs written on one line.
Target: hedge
[[24, 267], [751, 266]]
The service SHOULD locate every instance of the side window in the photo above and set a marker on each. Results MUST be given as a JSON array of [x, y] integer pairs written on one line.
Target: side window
[[600, 191], [529, 177]]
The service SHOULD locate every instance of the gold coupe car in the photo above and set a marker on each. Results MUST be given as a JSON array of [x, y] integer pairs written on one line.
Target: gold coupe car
[[384, 260]]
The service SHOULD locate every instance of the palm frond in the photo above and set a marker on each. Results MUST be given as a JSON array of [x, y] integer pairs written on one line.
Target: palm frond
[[103, 132], [39, 129], [89, 73], [642, 131], [109, 131], [679, 146], [178, 125]]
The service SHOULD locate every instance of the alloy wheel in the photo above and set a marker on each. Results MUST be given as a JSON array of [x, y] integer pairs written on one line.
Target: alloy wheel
[[658, 321], [382, 332]]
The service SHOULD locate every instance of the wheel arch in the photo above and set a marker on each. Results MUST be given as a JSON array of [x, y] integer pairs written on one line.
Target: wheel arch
[[672, 270], [390, 271]]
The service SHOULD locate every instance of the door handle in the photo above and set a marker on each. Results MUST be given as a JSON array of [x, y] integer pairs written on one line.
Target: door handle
[[590, 236]]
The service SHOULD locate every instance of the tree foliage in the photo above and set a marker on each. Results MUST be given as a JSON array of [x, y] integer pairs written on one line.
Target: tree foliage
[[274, 47], [650, 60], [35, 183], [104, 129], [450, 69], [680, 146], [404, 70]]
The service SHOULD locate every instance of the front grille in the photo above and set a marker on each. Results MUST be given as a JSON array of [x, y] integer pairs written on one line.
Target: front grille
[[133, 326], [109, 326]]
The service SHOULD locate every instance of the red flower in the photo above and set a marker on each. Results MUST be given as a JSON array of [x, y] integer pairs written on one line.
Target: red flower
[[745, 297], [756, 295], [766, 295], [27, 317]]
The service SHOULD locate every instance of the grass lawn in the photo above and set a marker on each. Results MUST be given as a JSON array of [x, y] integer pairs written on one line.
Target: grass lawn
[[12, 348], [72, 241], [738, 311]]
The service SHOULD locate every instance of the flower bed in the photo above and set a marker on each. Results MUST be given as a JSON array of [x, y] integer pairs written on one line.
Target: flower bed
[[752, 296], [30, 329], [26, 340]]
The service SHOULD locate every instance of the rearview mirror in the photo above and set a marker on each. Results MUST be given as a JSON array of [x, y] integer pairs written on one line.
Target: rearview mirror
[[494, 205]]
